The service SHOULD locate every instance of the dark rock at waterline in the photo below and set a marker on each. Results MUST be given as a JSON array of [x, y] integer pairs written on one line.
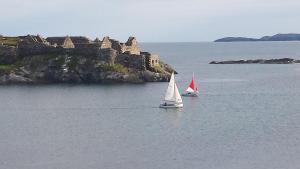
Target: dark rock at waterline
[[258, 61]]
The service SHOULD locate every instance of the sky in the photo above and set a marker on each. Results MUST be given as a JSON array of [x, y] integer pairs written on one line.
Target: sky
[[150, 20]]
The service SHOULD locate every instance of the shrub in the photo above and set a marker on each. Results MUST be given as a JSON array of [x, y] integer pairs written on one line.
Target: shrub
[[115, 68], [158, 69]]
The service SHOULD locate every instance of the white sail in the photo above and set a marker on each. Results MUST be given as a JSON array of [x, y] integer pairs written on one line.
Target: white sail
[[172, 97], [190, 90], [177, 96], [172, 94], [170, 91]]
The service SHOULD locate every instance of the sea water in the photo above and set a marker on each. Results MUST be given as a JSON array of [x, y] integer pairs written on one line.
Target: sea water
[[247, 116]]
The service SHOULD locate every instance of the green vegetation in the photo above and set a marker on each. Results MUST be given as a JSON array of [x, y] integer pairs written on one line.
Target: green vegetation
[[10, 41], [158, 69], [73, 62], [6, 68], [115, 68]]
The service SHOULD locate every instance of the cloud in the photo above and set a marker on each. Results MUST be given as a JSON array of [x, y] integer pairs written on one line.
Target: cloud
[[151, 20]]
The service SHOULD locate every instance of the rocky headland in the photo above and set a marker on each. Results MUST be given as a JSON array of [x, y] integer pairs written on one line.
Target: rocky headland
[[33, 59], [258, 61], [277, 37]]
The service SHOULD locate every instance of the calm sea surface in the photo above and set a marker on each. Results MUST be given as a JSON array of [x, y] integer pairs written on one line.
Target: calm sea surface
[[247, 116]]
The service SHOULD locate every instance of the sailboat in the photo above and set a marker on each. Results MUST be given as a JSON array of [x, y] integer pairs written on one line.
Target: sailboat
[[192, 90], [172, 98]]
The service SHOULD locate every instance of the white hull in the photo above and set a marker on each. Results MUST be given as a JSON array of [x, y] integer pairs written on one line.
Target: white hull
[[190, 94], [171, 105]]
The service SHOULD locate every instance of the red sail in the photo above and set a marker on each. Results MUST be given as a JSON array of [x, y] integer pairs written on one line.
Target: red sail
[[192, 85]]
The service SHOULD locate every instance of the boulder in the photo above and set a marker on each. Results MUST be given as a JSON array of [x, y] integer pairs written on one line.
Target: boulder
[[12, 78]]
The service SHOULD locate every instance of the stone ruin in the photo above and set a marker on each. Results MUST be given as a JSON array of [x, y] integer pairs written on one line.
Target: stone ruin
[[152, 61], [131, 46], [35, 45], [109, 50], [64, 42]]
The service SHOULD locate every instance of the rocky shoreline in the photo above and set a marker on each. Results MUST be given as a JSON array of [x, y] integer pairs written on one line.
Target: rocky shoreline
[[258, 61], [33, 59]]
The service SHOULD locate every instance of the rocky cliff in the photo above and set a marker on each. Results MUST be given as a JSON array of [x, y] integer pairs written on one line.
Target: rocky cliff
[[33, 59]]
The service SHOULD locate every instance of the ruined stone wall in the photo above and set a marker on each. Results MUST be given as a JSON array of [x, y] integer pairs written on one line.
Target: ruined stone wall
[[40, 39], [105, 44], [68, 43], [64, 42], [132, 61], [153, 61], [92, 49], [108, 55], [116, 45], [134, 50], [131, 46], [80, 40], [8, 54], [29, 46], [111, 43]]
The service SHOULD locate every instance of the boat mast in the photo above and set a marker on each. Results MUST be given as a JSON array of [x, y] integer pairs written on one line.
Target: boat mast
[[174, 88]]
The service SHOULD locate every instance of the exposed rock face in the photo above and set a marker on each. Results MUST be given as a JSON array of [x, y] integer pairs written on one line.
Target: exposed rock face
[[132, 61], [258, 61], [8, 54], [12, 78], [108, 55], [60, 60]]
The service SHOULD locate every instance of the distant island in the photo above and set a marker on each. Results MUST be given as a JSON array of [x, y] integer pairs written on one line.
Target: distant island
[[277, 37], [33, 59]]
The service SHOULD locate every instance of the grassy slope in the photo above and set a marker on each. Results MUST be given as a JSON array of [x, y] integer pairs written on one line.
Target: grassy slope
[[10, 41]]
